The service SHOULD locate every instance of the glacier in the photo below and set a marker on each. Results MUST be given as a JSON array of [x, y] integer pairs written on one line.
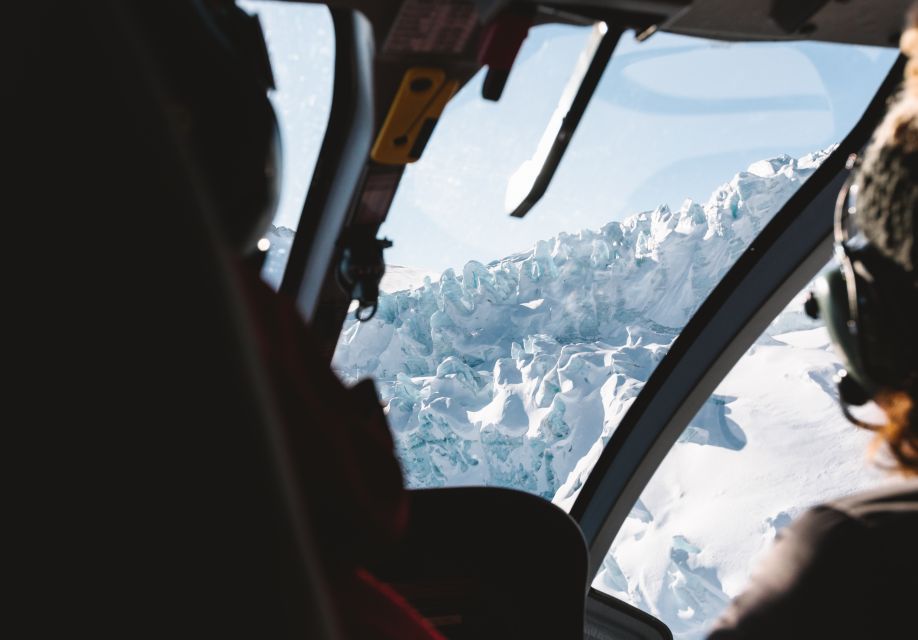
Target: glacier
[[517, 372]]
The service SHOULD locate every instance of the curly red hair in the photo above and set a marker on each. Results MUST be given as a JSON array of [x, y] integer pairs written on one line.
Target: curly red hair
[[900, 432]]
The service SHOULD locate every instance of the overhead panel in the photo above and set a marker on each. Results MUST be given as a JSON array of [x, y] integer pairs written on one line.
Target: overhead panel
[[866, 22], [432, 27]]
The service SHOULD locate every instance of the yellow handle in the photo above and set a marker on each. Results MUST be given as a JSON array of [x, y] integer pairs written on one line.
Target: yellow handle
[[420, 100]]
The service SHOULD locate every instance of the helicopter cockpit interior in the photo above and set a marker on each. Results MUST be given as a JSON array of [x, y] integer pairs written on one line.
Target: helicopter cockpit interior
[[426, 318]]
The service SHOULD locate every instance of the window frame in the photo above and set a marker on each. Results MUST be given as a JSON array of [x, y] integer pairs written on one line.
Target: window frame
[[788, 253], [339, 167]]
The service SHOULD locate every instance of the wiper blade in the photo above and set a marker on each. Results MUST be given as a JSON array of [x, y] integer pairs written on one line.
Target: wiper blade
[[530, 182]]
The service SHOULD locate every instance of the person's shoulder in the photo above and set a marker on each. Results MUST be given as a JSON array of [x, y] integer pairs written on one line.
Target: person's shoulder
[[864, 538], [896, 501], [883, 514], [839, 567]]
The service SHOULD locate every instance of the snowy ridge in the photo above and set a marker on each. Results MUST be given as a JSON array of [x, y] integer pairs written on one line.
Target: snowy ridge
[[398, 278], [486, 373]]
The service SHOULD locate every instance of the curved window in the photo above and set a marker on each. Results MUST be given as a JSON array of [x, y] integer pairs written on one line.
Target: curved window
[[508, 350], [769, 443], [301, 45]]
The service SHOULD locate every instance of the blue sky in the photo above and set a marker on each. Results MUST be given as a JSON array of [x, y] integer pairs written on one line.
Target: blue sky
[[673, 117]]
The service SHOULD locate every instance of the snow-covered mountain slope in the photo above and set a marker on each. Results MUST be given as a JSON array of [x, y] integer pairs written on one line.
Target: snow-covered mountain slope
[[516, 373], [769, 443]]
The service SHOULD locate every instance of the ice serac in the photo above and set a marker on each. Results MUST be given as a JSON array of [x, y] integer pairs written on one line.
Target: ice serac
[[516, 373]]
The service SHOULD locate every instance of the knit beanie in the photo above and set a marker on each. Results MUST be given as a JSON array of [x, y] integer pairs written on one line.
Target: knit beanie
[[887, 198]]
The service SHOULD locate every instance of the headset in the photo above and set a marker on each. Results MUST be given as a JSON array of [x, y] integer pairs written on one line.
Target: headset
[[219, 74], [868, 305]]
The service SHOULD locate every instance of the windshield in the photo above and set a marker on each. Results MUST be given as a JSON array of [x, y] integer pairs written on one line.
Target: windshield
[[673, 118], [507, 350], [768, 444]]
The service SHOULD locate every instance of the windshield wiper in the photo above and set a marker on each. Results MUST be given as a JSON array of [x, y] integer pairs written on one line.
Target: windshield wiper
[[529, 183]]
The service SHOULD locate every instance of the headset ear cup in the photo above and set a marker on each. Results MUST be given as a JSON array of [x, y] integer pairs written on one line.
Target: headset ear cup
[[886, 320], [868, 323], [835, 309], [870, 320]]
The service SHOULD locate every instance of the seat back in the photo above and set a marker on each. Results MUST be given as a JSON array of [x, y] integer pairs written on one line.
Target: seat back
[[484, 562]]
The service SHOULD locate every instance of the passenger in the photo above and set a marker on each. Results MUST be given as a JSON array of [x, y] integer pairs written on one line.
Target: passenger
[[850, 568], [339, 449]]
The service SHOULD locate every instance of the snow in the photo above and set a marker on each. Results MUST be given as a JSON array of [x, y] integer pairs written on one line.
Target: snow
[[542, 352], [517, 372], [812, 338], [399, 278]]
